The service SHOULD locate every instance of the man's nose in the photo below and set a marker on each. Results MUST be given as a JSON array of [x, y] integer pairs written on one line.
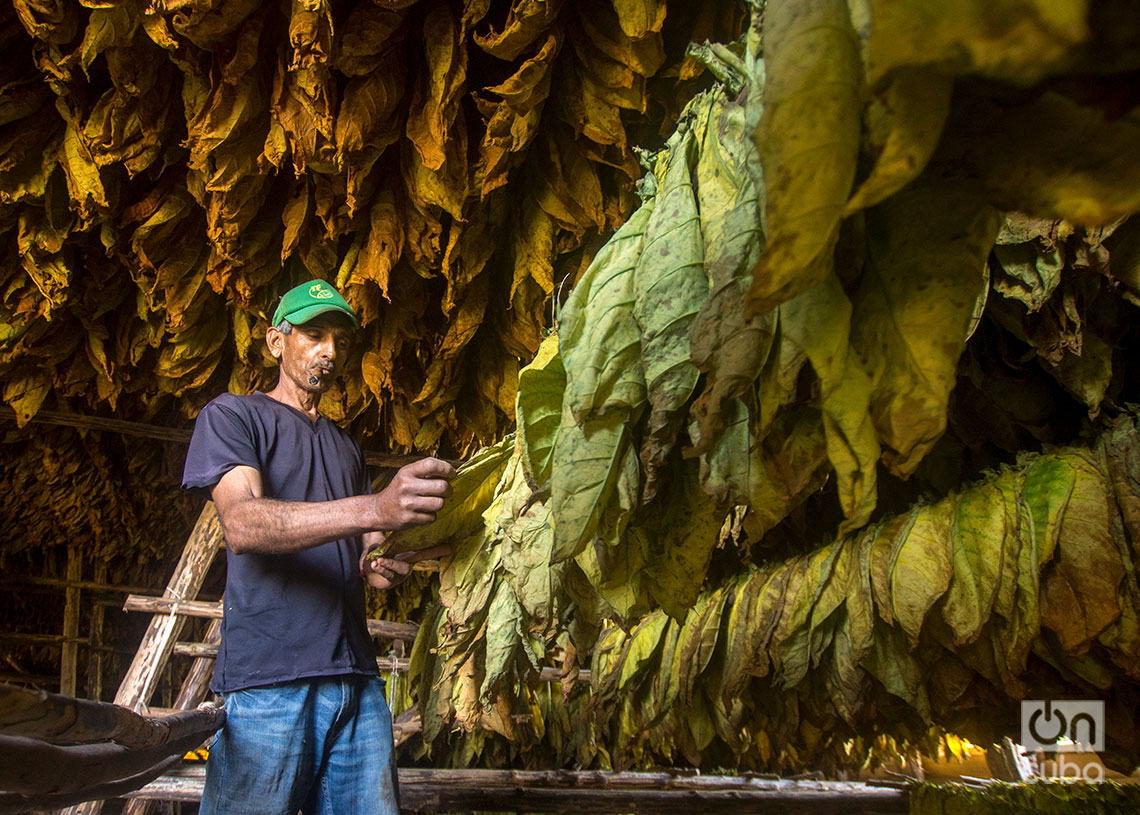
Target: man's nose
[[327, 349]]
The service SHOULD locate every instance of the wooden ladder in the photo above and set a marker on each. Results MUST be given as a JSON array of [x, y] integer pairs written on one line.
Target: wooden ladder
[[158, 643]]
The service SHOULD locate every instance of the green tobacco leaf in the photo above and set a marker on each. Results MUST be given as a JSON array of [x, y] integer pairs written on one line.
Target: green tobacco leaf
[[682, 537], [598, 339], [1079, 589], [669, 287], [808, 138], [928, 247], [472, 491], [922, 571], [727, 346], [539, 408], [905, 122], [785, 468], [725, 465], [891, 662], [819, 322], [641, 647], [1048, 483], [503, 637], [977, 544], [586, 466], [791, 641], [1017, 40], [466, 581]]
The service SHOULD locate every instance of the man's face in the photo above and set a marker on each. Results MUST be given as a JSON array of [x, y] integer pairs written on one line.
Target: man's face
[[313, 354]]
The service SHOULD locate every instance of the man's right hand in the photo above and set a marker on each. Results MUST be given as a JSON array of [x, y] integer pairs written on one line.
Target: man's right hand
[[415, 494]]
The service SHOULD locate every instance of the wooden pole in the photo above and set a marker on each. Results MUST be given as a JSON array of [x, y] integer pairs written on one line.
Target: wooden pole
[[174, 434], [165, 605], [69, 656], [95, 640], [601, 792]]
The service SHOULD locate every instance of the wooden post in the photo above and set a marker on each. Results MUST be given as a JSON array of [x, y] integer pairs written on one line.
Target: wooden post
[[69, 658], [138, 685], [95, 641]]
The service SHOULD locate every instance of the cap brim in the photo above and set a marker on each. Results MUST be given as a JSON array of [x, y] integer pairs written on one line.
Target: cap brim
[[303, 315]]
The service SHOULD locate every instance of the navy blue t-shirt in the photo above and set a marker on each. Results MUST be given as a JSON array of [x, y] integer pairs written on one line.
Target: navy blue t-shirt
[[295, 615]]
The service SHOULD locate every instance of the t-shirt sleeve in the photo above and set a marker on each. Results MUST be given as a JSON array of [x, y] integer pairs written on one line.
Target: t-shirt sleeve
[[221, 441]]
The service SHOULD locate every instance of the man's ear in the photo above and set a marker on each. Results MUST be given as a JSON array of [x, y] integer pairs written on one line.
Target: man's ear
[[275, 340]]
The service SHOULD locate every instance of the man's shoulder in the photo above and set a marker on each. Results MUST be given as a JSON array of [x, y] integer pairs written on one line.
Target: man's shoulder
[[234, 402]]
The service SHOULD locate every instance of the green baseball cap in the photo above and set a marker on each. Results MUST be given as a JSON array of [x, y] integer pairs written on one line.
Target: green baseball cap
[[302, 303]]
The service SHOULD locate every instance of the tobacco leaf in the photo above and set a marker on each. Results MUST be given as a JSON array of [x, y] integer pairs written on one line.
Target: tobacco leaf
[[1017, 40], [669, 287], [922, 273], [904, 122], [599, 341], [819, 322], [471, 494], [808, 137], [539, 411]]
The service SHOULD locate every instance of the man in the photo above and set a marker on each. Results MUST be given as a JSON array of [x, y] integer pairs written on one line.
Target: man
[[307, 726]]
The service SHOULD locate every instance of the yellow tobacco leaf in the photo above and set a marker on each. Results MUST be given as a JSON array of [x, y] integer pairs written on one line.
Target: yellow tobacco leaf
[[808, 137], [905, 123], [819, 322], [435, 98], [639, 18], [514, 121], [25, 393], [1018, 40], [526, 23], [927, 252]]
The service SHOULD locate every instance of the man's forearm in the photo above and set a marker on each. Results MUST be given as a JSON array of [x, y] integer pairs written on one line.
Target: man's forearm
[[269, 526]]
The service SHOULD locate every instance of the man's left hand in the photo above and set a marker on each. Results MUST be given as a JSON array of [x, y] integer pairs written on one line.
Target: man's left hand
[[387, 572]]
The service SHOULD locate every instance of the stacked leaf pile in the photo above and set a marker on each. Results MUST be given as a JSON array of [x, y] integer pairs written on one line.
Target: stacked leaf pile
[[444, 162], [738, 474]]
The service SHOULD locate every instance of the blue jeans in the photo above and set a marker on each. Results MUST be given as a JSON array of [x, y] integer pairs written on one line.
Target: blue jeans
[[320, 746]]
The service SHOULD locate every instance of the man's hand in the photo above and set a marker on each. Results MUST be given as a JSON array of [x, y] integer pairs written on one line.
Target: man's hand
[[388, 572], [415, 494]]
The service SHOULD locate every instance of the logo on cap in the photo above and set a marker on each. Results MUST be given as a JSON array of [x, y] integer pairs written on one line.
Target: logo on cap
[[319, 291]]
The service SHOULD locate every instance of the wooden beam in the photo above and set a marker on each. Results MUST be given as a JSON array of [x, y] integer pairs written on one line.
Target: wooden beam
[[58, 583], [191, 608], [69, 656], [174, 434], [206, 650], [565, 791]]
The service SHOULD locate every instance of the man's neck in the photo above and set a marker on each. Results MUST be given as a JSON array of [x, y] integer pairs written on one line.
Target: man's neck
[[287, 393]]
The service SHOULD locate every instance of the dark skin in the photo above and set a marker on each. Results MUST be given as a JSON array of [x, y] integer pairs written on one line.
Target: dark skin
[[254, 523]]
